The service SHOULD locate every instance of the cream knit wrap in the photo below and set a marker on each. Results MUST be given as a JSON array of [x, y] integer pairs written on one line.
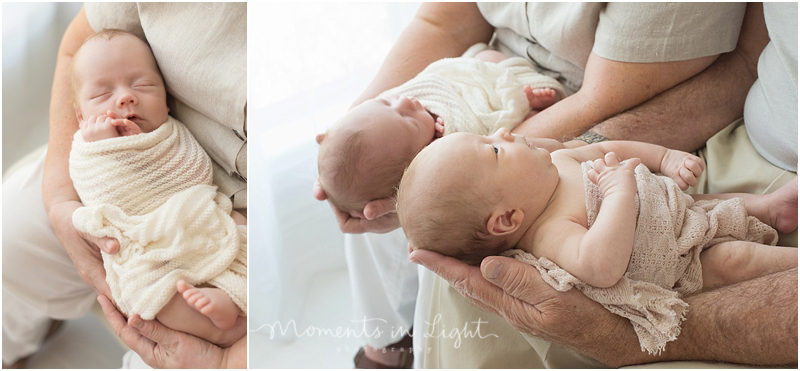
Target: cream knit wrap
[[153, 193], [671, 231], [475, 96]]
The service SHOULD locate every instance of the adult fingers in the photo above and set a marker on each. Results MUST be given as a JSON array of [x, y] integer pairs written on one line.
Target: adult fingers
[[515, 278], [138, 343], [380, 207], [319, 193], [163, 336], [109, 245]]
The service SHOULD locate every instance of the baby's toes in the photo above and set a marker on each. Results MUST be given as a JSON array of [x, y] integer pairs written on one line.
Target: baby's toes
[[183, 286], [202, 302]]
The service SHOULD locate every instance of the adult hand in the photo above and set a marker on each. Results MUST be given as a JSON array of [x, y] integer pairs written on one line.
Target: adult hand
[[378, 216], [162, 347], [82, 248], [516, 292]]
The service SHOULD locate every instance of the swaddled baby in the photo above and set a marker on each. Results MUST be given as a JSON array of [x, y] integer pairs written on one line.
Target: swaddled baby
[[147, 182], [363, 155]]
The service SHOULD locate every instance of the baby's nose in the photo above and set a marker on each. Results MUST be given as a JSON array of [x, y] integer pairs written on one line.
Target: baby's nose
[[504, 134], [126, 98]]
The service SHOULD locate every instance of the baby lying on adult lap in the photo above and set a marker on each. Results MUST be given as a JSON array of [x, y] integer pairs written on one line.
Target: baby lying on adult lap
[[147, 182], [625, 237], [363, 155]]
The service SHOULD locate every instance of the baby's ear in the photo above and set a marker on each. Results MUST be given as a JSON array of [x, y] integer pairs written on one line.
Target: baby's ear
[[504, 222], [320, 138]]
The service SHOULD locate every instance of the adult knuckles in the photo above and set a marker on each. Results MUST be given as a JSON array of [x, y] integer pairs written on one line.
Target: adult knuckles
[[515, 282]]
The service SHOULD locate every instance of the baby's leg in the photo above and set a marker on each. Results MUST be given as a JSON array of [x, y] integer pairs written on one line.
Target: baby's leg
[[777, 209], [737, 261], [178, 315], [211, 302]]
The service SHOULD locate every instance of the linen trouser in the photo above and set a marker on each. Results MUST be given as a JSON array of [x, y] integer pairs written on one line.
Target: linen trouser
[[383, 284], [732, 165], [40, 281]]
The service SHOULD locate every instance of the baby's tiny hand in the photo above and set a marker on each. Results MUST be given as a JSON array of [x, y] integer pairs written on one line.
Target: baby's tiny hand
[[613, 177], [97, 128], [439, 126], [682, 167], [124, 127]]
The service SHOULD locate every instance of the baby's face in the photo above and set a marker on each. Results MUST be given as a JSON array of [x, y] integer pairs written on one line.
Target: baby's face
[[508, 164], [120, 74], [397, 123]]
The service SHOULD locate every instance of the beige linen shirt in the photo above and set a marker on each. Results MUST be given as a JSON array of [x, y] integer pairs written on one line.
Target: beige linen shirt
[[558, 37], [201, 49]]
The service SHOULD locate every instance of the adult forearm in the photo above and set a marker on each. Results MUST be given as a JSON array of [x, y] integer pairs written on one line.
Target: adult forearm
[[438, 30], [685, 116], [56, 184], [753, 322]]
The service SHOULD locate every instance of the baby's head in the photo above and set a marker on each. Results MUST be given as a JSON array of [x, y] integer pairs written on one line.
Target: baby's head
[[471, 196], [115, 70], [363, 155]]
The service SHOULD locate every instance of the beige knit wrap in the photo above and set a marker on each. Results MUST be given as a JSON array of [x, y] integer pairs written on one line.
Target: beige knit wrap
[[671, 231], [153, 193], [475, 96]]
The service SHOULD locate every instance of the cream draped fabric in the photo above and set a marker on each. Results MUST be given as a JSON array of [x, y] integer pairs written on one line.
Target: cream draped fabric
[[475, 96], [153, 193], [671, 232]]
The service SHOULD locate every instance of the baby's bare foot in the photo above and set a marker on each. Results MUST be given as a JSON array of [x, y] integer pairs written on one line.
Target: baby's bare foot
[[211, 302], [783, 212], [540, 99]]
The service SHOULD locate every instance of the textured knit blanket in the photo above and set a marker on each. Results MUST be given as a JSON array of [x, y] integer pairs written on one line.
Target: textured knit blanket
[[153, 192], [475, 96], [671, 231]]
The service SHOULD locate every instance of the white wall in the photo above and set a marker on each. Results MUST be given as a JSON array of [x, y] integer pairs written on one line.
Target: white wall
[[31, 36]]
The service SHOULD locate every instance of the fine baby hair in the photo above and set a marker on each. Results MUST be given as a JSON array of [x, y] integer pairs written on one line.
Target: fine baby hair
[[447, 211]]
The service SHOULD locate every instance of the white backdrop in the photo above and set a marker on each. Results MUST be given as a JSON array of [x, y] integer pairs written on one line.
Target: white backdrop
[[31, 35], [306, 65]]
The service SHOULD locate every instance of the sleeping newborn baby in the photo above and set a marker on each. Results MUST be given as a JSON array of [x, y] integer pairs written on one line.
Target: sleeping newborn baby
[[147, 182], [363, 155]]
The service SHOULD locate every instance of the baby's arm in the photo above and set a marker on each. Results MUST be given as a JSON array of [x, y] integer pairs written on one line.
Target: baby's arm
[[600, 257], [682, 167]]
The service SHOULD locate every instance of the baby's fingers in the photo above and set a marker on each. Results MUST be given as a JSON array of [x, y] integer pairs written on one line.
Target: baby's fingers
[[592, 175], [612, 159], [688, 178], [632, 163], [599, 165], [439, 126], [695, 165]]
